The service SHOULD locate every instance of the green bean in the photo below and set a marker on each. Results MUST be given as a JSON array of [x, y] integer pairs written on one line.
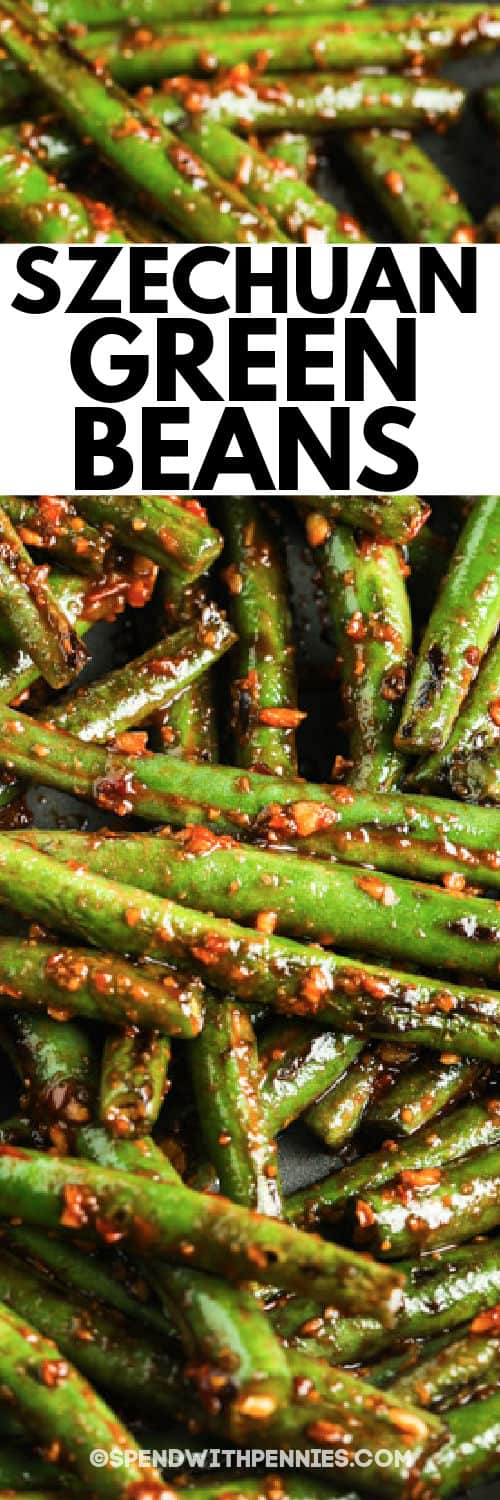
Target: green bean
[[417, 197], [432, 1206], [88, 1271], [264, 713], [231, 1113], [467, 1129], [307, 898], [150, 157], [210, 1232], [298, 1063], [315, 103], [370, 614], [477, 728], [70, 981], [387, 37], [59, 1406], [444, 1379], [462, 624], [441, 1292], [422, 1092], [34, 207], [430, 838], [134, 1081], [52, 523], [274, 971], [129, 695], [336, 1116], [38, 624]]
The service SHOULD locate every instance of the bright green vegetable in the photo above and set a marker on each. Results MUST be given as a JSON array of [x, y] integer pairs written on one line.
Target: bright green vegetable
[[36, 620], [472, 1128], [476, 730], [383, 37], [134, 1081], [275, 971], [336, 1116], [370, 614], [439, 1205], [420, 201], [231, 1113], [59, 1406], [98, 986], [150, 157], [464, 620], [422, 1092], [425, 837], [166, 1220], [264, 695], [298, 1063]]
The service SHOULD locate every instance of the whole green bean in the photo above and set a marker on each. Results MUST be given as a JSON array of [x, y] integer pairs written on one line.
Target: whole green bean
[[38, 624], [444, 1379], [264, 694], [422, 1092], [407, 835], [279, 972], [381, 37], [276, 971], [344, 907], [52, 522], [393, 518], [231, 1113], [164, 529], [432, 1206], [312, 102], [336, 1116], [165, 1220], [131, 694], [298, 1063], [134, 1081], [370, 614], [70, 981], [470, 1128], [477, 728], [442, 1291], [417, 197], [150, 157], [59, 1406], [464, 620]]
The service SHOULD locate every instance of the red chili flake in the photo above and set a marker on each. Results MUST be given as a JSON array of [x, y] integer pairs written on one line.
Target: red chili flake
[[394, 182], [494, 712], [281, 718], [53, 1372], [364, 1214], [473, 656], [377, 889], [421, 1178], [487, 1321]]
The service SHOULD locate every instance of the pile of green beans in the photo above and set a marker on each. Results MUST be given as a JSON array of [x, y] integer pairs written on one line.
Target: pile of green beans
[[211, 109], [233, 968]]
